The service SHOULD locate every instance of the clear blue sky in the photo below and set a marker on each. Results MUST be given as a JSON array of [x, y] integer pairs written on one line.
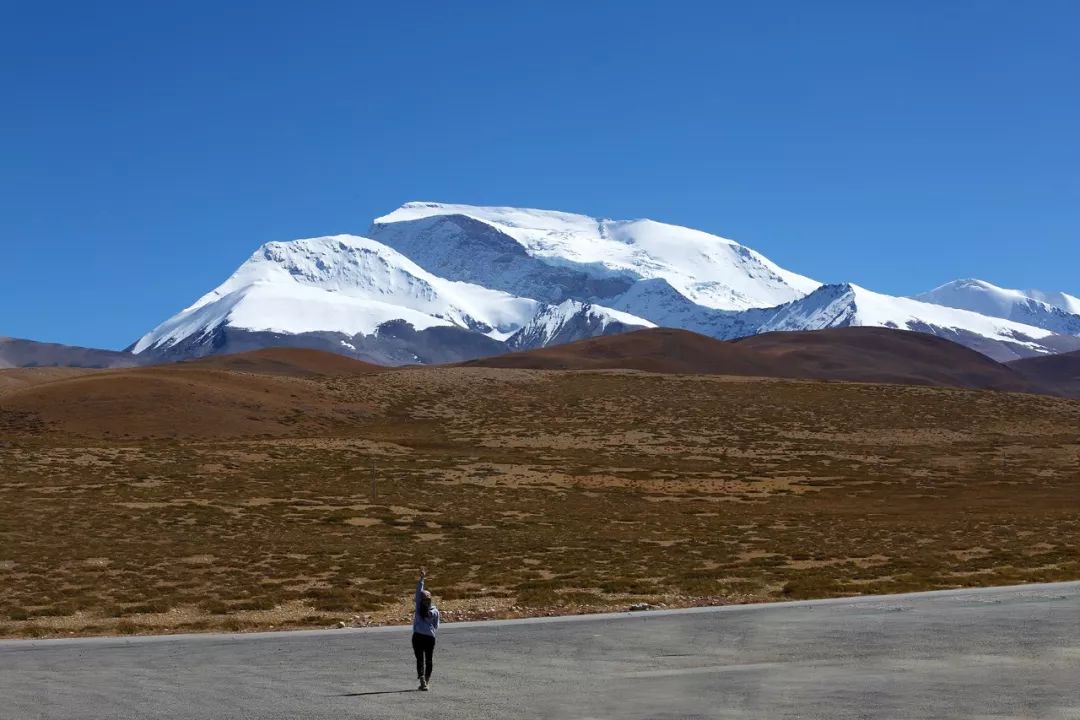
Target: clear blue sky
[[147, 148]]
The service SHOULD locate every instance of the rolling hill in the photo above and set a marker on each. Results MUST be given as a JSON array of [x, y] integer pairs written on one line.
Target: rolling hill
[[290, 362], [1059, 374], [859, 354]]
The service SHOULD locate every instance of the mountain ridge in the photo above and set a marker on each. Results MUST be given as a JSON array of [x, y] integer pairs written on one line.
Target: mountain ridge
[[712, 271], [847, 304], [442, 282], [1056, 312], [353, 295], [24, 353]]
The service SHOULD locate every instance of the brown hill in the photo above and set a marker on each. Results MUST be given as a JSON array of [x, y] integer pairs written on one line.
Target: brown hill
[[180, 400], [876, 355], [1059, 374], [662, 350], [290, 362], [883, 355], [12, 379], [279, 392], [610, 484]]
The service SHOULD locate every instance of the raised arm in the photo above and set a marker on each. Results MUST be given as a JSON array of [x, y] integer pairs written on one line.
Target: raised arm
[[419, 588]]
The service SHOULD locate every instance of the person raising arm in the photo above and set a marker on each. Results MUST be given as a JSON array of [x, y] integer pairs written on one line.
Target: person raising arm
[[425, 626]]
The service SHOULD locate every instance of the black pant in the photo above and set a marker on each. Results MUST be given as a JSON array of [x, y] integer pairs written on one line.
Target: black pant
[[423, 646]]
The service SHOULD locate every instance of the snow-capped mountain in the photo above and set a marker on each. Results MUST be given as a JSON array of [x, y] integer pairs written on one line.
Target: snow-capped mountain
[[850, 305], [356, 296], [1060, 300], [554, 256], [1057, 312], [440, 283], [571, 320], [340, 283], [670, 275]]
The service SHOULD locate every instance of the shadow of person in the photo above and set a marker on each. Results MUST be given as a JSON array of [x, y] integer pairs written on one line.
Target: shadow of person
[[377, 692]]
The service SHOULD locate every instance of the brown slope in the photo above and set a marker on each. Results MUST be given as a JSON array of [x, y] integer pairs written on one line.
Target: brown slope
[[1059, 374], [662, 350], [183, 401], [290, 362], [12, 379], [875, 355], [883, 355]]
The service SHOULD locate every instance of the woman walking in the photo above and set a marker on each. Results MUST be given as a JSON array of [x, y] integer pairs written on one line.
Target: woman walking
[[425, 624]]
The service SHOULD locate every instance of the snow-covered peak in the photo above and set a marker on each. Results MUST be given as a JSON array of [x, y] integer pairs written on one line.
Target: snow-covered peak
[[1057, 312], [887, 310], [975, 295], [572, 320], [510, 217], [1060, 300], [711, 271], [850, 305], [349, 264], [340, 283], [552, 317], [439, 283]]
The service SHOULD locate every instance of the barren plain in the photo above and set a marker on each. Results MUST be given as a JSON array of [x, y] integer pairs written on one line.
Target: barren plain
[[194, 497]]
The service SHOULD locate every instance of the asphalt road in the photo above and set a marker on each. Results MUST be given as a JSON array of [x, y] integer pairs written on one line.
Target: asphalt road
[[998, 653]]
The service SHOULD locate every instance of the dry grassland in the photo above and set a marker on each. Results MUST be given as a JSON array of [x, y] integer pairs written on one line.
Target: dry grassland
[[525, 492]]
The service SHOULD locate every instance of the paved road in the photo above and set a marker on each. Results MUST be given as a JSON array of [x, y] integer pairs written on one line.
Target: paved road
[[999, 653]]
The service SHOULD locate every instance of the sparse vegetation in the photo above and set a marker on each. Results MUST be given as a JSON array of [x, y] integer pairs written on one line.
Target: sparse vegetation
[[525, 492]]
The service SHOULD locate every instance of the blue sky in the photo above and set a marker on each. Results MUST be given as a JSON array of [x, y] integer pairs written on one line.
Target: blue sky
[[146, 149]]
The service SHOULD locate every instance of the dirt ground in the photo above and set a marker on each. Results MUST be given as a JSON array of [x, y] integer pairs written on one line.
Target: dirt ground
[[228, 501]]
